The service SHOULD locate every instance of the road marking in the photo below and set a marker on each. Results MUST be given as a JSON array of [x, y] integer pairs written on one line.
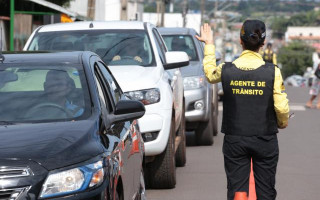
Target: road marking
[[293, 107], [297, 107]]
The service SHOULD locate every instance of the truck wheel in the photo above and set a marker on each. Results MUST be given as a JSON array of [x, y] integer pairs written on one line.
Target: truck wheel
[[162, 171], [204, 132], [181, 157]]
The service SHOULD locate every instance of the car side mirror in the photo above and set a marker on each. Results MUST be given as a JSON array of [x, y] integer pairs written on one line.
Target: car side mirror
[[176, 59], [127, 110]]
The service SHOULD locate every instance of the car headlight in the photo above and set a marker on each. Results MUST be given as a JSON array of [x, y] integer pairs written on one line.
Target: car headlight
[[73, 180], [147, 97], [193, 82]]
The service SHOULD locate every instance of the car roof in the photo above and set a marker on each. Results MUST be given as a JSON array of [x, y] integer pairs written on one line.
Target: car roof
[[43, 57], [177, 31], [93, 25]]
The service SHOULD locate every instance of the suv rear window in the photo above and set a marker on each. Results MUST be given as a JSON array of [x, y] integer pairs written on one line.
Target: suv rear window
[[181, 43]]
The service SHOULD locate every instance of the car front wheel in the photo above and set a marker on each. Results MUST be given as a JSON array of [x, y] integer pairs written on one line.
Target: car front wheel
[[161, 173], [181, 157]]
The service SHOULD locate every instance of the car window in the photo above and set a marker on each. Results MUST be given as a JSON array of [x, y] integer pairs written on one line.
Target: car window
[[182, 43], [100, 92], [103, 89], [32, 92], [161, 48], [115, 89], [115, 47]]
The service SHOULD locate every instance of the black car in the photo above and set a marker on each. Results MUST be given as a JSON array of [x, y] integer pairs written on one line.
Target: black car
[[66, 130]]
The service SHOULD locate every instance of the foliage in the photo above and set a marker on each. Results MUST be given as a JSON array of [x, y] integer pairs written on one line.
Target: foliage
[[295, 58], [280, 24], [150, 8], [279, 27]]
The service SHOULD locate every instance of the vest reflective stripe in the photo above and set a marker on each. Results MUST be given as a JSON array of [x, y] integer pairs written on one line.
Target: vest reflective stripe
[[248, 106]]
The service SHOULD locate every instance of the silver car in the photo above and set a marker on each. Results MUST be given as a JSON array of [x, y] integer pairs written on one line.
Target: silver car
[[201, 97]]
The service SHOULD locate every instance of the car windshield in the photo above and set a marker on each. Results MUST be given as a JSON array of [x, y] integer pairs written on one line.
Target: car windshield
[[115, 47], [34, 93], [181, 43]]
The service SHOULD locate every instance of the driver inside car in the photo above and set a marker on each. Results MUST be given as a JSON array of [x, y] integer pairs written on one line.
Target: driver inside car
[[57, 87], [134, 50]]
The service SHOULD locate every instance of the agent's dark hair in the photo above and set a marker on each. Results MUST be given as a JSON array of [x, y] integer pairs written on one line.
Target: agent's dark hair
[[253, 34]]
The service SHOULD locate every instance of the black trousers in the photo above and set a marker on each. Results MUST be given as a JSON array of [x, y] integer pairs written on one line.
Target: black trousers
[[264, 152]]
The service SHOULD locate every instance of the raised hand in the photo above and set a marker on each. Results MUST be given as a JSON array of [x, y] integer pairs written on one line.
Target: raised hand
[[206, 34]]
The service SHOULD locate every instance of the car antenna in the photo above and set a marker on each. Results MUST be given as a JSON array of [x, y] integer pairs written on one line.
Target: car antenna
[[1, 56]]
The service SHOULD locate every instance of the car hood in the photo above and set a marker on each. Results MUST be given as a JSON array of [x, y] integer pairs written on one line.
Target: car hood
[[193, 69], [52, 145], [133, 77]]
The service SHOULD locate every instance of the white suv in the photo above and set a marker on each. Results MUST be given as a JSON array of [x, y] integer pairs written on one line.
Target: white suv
[[146, 71]]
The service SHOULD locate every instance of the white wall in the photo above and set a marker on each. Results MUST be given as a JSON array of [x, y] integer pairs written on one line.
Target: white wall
[[3, 36], [79, 6], [108, 10], [175, 20], [135, 8]]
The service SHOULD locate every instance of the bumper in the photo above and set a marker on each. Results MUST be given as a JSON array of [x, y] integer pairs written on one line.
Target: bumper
[[191, 98], [159, 121]]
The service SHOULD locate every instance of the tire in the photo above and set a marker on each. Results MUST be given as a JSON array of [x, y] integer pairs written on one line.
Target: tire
[[142, 189], [118, 196], [181, 157], [204, 132], [161, 173]]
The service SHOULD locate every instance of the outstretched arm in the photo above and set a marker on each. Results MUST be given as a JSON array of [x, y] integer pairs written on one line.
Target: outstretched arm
[[212, 72]]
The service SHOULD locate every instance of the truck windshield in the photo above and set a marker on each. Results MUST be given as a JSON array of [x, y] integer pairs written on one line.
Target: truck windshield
[[115, 47], [181, 43], [31, 93]]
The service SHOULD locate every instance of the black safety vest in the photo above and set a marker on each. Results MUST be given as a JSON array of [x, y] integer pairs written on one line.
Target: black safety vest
[[268, 57], [248, 106]]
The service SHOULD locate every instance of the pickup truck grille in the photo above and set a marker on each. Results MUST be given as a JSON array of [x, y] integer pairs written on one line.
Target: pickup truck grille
[[13, 172], [12, 194]]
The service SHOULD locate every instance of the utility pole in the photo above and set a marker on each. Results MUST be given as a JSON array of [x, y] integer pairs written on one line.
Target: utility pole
[[123, 11], [202, 7], [184, 12], [158, 12], [163, 9], [91, 9], [216, 8]]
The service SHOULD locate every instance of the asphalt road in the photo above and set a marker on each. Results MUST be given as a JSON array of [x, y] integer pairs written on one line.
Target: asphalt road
[[298, 173]]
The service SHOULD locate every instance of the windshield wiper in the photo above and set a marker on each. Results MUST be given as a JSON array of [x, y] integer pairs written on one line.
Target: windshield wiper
[[6, 123]]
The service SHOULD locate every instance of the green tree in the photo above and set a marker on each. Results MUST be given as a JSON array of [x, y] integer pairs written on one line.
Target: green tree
[[279, 27], [295, 58]]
